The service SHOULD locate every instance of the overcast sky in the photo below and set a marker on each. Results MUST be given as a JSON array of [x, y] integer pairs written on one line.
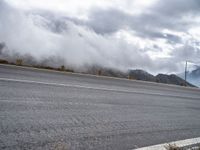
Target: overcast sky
[[154, 35]]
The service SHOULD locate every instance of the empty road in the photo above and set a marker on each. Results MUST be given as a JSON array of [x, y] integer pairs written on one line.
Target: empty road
[[51, 110]]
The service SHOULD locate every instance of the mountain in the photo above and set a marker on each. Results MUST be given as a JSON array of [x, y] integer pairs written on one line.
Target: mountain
[[141, 75], [138, 75], [194, 76], [145, 76], [171, 79], [160, 78], [195, 73]]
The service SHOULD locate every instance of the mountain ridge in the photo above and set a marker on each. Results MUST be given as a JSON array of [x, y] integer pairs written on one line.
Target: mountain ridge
[[160, 78]]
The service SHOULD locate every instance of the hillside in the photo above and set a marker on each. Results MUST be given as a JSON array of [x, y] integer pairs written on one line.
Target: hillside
[[171, 79], [195, 73], [160, 78], [141, 75]]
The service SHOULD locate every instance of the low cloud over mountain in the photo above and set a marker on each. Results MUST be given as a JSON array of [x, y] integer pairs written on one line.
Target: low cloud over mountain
[[194, 76], [157, 36]]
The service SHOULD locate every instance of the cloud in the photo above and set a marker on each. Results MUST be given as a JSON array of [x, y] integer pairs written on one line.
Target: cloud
[[155, 39], [187, 52], [176, 8], [76, 46], [163, 15]]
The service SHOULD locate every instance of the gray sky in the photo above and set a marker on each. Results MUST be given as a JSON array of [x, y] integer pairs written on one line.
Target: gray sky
[[154, 35]]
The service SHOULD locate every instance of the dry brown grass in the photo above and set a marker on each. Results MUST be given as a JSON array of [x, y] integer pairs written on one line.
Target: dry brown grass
[[19, 62], [130, 77], [172, 147]]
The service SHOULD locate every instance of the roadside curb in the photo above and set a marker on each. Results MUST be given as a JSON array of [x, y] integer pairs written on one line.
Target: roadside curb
[[180, 144]]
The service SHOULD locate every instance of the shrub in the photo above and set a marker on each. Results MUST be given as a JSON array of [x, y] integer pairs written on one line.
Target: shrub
[[62, 68], [131, 77], [99, 72], [3, 61], [19, 62], [172, 147]]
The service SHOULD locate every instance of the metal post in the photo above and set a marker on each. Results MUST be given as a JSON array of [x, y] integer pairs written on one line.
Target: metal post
[[186, 73]]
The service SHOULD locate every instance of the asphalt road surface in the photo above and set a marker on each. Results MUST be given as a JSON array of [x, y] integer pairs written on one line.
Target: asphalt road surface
[[51, 110]]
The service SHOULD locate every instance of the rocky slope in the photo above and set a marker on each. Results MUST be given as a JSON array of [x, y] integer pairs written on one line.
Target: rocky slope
[[160, 78]]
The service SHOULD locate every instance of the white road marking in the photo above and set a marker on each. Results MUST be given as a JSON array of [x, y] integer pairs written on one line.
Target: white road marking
[[181, 144], [92, 88]]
